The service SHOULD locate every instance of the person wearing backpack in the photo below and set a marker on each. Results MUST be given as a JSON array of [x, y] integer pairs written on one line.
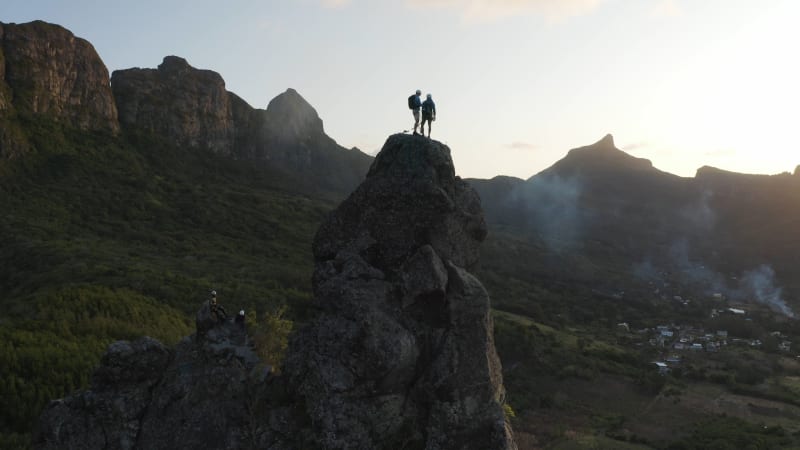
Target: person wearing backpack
[[428, 114], [414, 104]]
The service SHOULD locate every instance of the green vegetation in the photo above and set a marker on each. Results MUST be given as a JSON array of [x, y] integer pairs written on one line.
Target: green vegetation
[[271, 336], [727, 433], [52, 351], [105, 238], [576, 380]]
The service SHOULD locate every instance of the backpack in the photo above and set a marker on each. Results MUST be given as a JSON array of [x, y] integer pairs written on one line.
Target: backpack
[[411, 101], [427, 107]]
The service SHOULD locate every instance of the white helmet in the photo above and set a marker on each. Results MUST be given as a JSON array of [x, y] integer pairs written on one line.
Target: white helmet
[[213, 293], [241, 312]]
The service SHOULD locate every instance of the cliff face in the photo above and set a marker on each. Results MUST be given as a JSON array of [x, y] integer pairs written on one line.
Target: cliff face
[[190, 107], [45, 71], [401, 356], [48, 71]]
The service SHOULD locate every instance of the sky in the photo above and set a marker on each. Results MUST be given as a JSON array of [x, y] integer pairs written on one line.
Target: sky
[[517, 83]]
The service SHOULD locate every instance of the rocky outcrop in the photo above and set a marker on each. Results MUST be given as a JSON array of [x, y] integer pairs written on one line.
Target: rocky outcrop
[[50, 72], [188, 106], [201, 394], [403, 355]]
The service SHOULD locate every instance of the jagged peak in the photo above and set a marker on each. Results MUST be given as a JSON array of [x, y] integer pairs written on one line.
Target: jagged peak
[[290, 98], [293, 116], [602, 155], [606, 142], [172, 63]]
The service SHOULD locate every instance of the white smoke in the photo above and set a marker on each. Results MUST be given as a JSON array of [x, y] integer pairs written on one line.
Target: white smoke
[[699, 213], [759, 284], [552, 209]]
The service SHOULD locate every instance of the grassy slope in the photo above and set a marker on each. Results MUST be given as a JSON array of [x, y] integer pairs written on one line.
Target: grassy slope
[[108, 238]]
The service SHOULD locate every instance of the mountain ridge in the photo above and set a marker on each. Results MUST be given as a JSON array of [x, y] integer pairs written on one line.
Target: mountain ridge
[[50, 73]]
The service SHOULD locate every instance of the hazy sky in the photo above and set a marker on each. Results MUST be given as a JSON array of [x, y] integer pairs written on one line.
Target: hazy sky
[[517, 83]]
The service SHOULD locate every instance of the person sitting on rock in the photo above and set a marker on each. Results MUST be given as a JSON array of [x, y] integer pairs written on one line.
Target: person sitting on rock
[[428, 114], [217, 310]]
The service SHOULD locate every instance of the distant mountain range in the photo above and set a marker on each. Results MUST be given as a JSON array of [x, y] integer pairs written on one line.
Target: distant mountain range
[[709, 234]]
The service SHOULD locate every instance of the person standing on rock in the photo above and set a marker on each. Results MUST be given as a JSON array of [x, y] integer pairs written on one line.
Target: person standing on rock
[[414, 104], [217, 310], [428, 114]]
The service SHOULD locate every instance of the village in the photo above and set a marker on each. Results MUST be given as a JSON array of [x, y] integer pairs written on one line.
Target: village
[[675, 342]]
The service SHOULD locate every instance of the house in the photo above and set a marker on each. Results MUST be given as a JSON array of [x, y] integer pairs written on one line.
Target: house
[[673, 360], [716, 296], [623, 326], [663, 369], [736, 311], [722, 333], [696, 347], [679, 346]]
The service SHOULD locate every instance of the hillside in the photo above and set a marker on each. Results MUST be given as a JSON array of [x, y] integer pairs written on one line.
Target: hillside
[[128, 197], [623, 221], [114, 231]]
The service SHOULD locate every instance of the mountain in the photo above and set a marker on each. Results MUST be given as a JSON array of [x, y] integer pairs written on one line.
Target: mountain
[[191, 108], [48, 72], [45, 69], [613, 215], [113, 230], [126, 199]]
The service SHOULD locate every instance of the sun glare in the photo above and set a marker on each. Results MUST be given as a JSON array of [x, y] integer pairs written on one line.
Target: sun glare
[[738, 102]]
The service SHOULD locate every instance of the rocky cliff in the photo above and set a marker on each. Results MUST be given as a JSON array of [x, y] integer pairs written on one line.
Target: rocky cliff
[[49, 71], [45, 71], [400, 356], [188, 106]]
